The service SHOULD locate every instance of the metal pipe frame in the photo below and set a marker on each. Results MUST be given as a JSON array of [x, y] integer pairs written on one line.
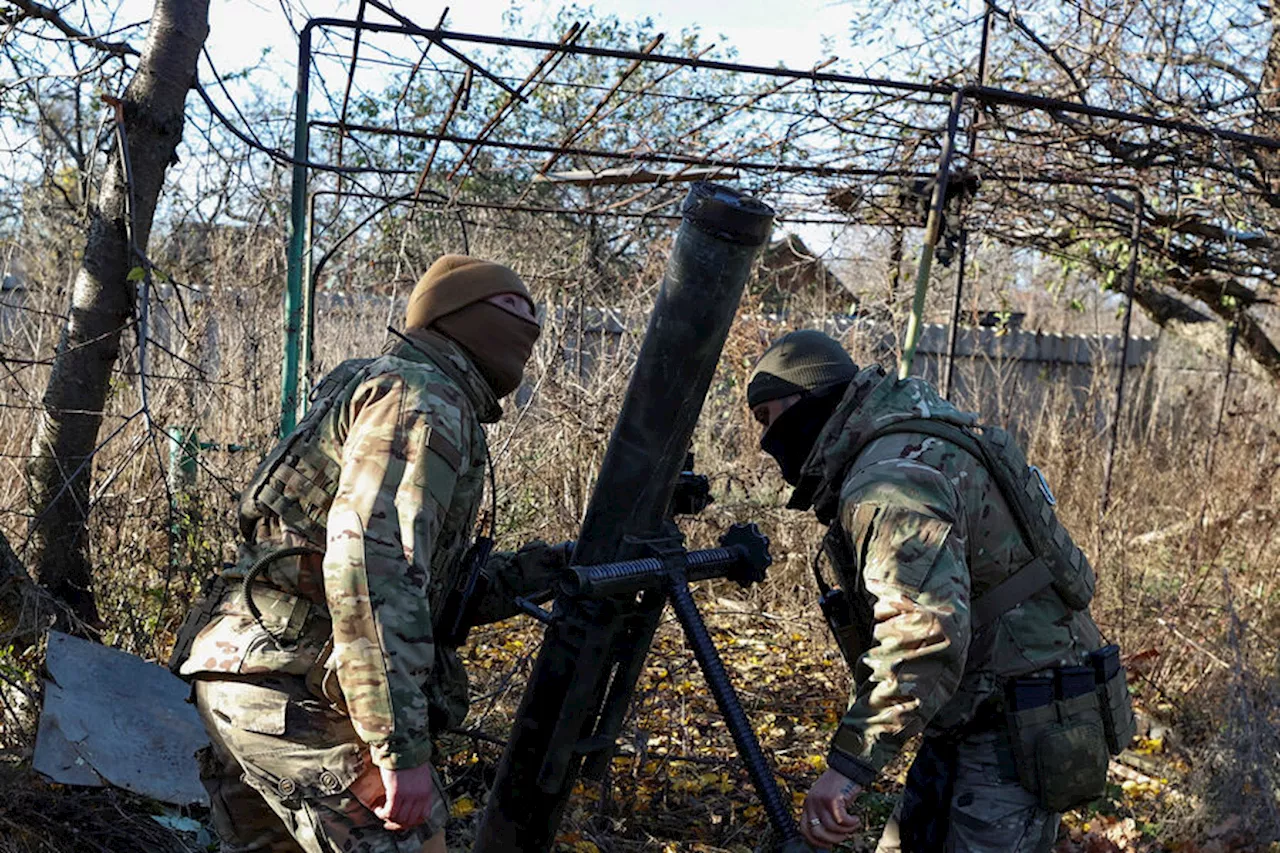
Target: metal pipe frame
[[290, 399], [1135, 243], [297, 310], [982, 94], [953, 330], [606, 154]]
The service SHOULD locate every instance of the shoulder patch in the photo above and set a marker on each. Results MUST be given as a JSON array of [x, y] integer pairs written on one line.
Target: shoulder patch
[[442, 465]]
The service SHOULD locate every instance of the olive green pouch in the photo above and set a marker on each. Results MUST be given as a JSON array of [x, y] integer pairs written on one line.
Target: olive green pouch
[[1060, 751], [1118, 722]]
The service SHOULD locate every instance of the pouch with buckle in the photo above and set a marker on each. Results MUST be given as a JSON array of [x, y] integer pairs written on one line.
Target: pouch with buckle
[[1057, 734]]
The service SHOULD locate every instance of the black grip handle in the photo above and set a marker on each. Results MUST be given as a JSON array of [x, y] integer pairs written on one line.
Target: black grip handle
[[743, 556]]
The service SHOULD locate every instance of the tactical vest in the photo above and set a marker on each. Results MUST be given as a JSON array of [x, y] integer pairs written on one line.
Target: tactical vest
[[295, 482], [1056, 559]]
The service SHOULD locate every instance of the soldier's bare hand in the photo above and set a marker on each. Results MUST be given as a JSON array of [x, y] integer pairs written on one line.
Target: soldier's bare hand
[[826, 820], [407, 798]]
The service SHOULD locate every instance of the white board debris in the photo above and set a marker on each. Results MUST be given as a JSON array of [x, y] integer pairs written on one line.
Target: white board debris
[[111, 718]]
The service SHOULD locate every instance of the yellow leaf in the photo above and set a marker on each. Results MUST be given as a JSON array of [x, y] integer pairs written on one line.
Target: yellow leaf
[[462, 807]]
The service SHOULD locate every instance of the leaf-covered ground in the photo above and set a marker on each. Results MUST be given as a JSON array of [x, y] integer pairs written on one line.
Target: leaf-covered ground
[[676, 783]]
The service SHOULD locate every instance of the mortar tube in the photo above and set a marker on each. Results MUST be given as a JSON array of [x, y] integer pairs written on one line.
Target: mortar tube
[[720, 235]]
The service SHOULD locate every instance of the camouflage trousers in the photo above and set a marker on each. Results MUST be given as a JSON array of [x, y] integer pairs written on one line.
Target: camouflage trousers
[[974, 785], [280, 771]]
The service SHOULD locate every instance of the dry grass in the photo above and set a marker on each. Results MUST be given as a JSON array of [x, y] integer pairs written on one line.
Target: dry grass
[[1187, 556], [37, 817]]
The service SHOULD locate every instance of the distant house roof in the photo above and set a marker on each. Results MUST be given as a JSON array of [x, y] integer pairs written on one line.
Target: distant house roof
[[793, 267]]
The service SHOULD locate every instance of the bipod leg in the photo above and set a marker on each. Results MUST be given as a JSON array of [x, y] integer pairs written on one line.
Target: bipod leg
[[744, 738]]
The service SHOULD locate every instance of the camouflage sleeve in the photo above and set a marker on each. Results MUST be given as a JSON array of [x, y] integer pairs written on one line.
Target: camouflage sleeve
[[529, 573], [385, 519], [905, 522]]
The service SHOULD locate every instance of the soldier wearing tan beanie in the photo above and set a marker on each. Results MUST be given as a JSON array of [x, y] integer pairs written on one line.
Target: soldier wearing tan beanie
[[379, 487], [482, 306]]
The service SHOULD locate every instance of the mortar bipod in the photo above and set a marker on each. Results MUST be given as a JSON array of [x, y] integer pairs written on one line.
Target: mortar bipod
[[743, 557]]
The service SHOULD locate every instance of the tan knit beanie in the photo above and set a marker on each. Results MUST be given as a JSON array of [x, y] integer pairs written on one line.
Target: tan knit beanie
[[455, 281]]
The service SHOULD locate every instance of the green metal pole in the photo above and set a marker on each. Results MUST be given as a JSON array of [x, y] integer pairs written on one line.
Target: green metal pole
[[293, 294], [308, 304], [932, 226]]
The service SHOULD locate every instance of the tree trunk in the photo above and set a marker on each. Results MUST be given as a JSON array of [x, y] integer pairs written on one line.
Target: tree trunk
[[102, 303], [1269, 82]]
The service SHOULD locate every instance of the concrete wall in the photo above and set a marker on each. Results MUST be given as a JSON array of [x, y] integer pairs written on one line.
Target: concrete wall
[[1010, 376]]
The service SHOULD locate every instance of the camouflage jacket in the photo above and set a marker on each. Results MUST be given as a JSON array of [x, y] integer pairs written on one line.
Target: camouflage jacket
[[389, 474], [922, 531]]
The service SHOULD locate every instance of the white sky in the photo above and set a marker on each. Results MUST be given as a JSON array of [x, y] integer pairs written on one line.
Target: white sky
[[794, 33], [761, 30]]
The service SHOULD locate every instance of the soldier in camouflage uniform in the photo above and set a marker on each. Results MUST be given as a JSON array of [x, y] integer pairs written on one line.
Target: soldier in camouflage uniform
[[918, 533], [317, 662]]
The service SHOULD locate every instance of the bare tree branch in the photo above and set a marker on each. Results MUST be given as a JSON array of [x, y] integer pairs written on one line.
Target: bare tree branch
[[52, 16]]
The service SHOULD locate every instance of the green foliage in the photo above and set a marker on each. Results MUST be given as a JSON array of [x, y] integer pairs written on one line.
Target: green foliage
[[15, 667]]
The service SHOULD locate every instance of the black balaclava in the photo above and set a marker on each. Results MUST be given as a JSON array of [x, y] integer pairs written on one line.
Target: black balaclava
[[791, 437]]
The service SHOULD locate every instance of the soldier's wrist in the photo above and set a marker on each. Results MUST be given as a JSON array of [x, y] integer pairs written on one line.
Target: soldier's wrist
[[849, 756], [400, 756], [853, 769]]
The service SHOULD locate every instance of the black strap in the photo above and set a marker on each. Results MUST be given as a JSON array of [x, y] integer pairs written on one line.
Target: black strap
[[833, 535], [286, 641], [969, 443], [1020, 586]]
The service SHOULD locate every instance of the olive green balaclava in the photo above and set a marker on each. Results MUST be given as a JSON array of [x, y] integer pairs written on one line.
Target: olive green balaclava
[[817, 368], [799, 362], [450, 298]]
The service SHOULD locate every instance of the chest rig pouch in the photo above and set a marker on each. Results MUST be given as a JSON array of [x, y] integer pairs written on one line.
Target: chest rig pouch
[[1064, 725], [296, 481]]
